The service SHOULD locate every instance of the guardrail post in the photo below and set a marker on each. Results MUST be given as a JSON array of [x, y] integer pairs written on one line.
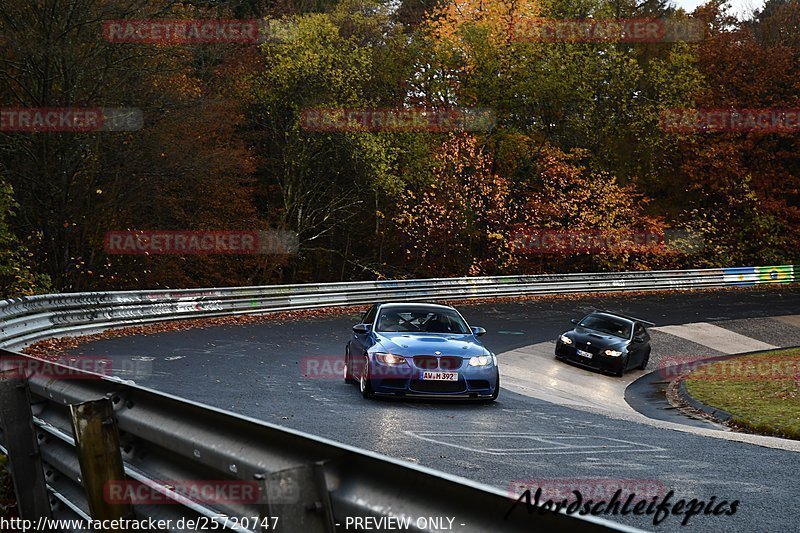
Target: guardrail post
[[298, 499], [25, 463], [97, 442]]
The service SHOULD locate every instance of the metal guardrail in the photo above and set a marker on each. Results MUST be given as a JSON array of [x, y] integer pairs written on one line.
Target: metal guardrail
[[30, 319], [309, 484], [65, 436]]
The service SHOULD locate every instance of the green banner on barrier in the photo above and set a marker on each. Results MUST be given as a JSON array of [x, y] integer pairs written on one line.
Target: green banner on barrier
[[775, 274]]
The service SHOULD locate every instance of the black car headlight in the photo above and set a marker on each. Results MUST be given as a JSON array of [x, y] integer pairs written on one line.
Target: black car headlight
[[565, 339], [612, 353]]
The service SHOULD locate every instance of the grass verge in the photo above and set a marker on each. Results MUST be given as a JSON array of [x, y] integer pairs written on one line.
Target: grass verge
[[761, 391]]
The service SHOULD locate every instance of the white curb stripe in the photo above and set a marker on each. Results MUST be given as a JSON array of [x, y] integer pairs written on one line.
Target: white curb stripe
[[792, 320], [711, 336]]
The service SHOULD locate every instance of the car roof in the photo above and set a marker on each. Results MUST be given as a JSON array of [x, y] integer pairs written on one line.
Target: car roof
[[624, 317], [415, 304]]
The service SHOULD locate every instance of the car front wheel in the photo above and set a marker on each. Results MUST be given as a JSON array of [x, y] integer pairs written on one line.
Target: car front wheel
[[646, 360], [496, 392], [348, 371], [364, 382]]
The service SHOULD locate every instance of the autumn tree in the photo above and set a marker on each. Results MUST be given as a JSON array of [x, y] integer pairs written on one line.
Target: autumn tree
[[18, 274], [460, 222], [187, 168], [334, 188], [741, 188]]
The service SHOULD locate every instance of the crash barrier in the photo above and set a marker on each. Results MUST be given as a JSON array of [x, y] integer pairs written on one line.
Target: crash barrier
[[66, 437], [91, 448], [29, 319]]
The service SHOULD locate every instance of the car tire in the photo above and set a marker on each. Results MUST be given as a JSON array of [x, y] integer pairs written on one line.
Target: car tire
[[496, 392], [645, 360], [364, 382], [348, 375]]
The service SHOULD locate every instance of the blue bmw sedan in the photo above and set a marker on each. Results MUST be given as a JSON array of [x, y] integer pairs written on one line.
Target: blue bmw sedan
[[420, 350]]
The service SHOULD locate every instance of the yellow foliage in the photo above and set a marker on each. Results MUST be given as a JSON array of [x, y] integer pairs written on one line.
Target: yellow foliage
[[497, 17]]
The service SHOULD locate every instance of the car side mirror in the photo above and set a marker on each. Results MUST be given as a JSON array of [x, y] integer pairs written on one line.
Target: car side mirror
[[361, 328], [638, 339], [574, 321], [478, 331]]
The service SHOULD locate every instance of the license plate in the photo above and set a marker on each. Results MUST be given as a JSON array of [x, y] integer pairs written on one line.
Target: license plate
[[584, 354], [440, 376]]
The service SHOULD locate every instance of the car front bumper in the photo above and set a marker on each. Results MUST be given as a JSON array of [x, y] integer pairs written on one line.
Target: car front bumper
[[598, 361], [473, 382]]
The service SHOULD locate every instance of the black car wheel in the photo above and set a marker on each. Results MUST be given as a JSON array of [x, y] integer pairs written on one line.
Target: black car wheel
[[348, 374], [496, 388], [646, 360], [496, 392], [364, 381]]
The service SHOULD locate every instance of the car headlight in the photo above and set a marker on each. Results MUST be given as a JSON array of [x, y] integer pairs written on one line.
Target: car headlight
[[565, 339], [613, 353], [390, 359], [481, 360]]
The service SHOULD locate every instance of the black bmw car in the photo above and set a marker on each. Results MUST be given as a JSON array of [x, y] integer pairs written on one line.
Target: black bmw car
[[606, 341]]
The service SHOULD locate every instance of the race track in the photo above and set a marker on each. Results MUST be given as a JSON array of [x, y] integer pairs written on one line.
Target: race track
[[556, 432]]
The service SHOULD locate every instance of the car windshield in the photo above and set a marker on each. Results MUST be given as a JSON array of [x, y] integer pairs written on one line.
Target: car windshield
[[607, 324], [414, 320]]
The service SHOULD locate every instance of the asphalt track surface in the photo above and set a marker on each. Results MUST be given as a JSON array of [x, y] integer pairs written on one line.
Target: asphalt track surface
[[255, 370]]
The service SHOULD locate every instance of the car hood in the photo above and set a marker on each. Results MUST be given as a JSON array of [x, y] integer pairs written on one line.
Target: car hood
[[409, 344], [596, 338]]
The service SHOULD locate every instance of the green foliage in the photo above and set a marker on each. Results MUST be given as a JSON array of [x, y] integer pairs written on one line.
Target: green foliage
[[17, 274], [578, 143]]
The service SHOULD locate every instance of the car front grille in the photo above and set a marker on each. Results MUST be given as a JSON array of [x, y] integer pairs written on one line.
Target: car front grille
[[426, 362], [393, 383], [431, 362], [450, 363], [437, 386], [587, 348], [478, 383]]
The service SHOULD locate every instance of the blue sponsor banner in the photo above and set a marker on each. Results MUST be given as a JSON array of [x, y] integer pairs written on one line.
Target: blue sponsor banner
[[739, 276]]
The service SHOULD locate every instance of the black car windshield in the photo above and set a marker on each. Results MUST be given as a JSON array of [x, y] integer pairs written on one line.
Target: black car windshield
[[607, 324], [413, 320]]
